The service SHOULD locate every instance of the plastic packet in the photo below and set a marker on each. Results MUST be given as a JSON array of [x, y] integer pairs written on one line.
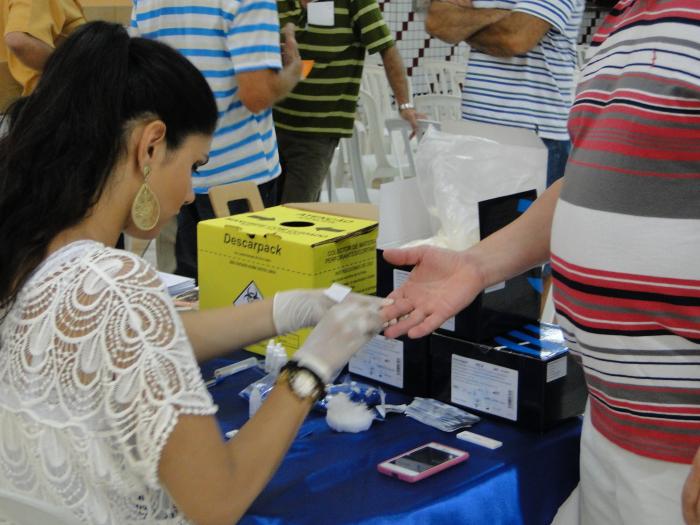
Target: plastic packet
[[262, 387], [457, 171], [440, 415], [356, 392], [372, 396]]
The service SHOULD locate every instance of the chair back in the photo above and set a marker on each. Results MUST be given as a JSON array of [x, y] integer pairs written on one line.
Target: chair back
[[443, 77], [221, 195], [375, 83], [374, 127], [439, 107], [23, 510]]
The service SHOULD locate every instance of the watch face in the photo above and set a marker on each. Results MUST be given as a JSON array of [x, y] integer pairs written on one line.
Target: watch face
[[303, 383]]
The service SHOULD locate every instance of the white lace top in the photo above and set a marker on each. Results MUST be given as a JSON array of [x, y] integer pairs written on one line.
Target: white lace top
[[95, 369]]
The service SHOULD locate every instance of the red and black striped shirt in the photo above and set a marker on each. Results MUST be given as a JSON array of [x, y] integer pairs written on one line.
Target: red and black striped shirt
[[626, 233]]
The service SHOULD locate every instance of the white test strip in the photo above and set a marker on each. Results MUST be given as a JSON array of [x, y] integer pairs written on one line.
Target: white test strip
[[478, 439], [337, 292], [230, 434]]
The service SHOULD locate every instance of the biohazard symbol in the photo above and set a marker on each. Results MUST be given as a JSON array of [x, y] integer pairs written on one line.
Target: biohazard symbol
[[249, 294]]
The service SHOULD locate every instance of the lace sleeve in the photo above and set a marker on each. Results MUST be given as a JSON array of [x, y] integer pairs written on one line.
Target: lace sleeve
[[149, 373]]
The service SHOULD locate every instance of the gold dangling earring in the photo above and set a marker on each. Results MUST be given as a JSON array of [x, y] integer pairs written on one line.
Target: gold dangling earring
[[145, 210]]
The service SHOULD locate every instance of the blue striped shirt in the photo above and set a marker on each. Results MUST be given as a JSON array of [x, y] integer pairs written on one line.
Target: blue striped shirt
[[534, 90], [222, 38]]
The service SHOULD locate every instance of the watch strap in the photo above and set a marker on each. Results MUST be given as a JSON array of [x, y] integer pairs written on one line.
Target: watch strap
[[291, 369]]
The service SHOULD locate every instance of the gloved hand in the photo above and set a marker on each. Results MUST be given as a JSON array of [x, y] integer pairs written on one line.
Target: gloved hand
[[344, 330], [295, 309]]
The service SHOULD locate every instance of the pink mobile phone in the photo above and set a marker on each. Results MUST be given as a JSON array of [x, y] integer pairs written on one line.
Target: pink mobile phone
[[422, 462]]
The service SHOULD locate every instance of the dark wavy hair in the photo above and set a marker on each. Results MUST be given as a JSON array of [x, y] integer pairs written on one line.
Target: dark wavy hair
[[64, 140]]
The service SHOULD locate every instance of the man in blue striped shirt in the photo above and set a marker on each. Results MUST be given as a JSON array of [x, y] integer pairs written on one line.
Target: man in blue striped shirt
[[235, 44], [521, 67]]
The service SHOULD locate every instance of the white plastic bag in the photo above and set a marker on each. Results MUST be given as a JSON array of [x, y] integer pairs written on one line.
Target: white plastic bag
[[456, 172]]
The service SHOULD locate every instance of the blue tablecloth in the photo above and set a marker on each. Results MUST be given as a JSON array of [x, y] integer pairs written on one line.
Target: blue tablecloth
[[331, 478]]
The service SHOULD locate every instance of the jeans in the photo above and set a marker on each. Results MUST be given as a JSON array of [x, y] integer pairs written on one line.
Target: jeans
[[556, 161], [305, 159]]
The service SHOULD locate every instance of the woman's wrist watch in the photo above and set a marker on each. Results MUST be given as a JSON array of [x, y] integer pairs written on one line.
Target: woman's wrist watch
[[406, 105], [303, 382]]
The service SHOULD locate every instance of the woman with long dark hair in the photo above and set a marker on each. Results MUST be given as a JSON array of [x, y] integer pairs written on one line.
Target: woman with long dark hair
[[103, 411]]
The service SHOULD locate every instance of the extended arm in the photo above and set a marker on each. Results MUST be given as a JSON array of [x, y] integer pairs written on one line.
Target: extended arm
[[444, 282], [222, 330], [215, 332], [31, 51], [396, 75], [214, 482]]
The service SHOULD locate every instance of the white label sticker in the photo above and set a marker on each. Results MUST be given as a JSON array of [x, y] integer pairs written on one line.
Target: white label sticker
[[484, 386], [400, 277], [449, 324], [380, 359], [320, 13], [556, 369]]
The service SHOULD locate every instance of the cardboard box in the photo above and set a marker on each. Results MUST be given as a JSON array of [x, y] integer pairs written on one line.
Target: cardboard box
[[498, 309], [401, 363], [253, 255], [526, 377]]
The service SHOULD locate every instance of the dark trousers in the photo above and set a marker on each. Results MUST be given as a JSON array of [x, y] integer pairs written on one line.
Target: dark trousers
[[201, 210], [305, 160], [556, 161]]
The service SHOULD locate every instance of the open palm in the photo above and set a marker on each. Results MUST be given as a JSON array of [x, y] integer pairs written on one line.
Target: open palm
[[442, 283]]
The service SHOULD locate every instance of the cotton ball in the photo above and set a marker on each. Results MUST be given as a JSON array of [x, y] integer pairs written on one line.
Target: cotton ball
[[345, 416]]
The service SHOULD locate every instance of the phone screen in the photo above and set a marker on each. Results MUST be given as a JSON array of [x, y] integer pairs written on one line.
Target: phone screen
[[422, 459]]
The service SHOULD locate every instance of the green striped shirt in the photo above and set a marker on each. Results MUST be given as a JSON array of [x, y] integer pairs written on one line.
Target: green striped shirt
[[325, 102]]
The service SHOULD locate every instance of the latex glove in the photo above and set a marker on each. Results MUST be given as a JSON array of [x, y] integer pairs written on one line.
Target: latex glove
[[344, 330], [295, 309]]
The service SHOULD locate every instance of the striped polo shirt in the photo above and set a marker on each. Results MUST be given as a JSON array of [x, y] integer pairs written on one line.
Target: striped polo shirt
[[223, 38], [325, 102], [533, 90], [626, 232]]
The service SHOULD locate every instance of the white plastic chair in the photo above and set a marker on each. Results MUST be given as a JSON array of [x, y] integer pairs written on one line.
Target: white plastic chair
[[404, 129], [384, 162], [22, 510], [348, 159], [439, 107], [443, 77], [375, 83]]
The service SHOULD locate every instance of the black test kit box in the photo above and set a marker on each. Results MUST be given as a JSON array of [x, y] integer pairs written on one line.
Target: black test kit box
[[501, 307], [405, 363], [526, 376], [401, 363]]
